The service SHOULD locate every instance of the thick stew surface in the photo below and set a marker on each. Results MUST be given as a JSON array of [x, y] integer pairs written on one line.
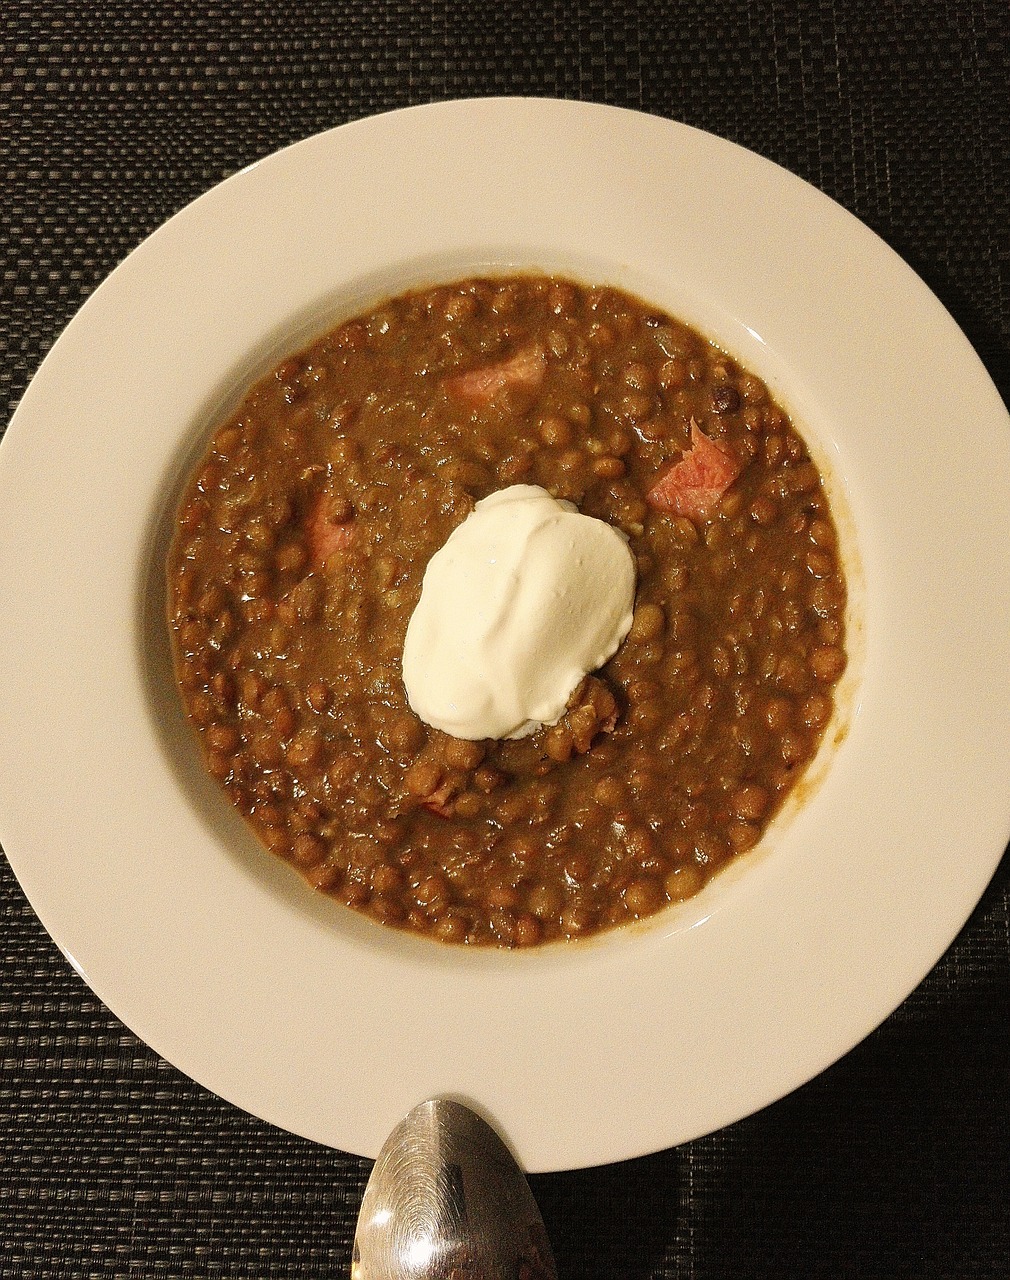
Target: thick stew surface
[[300, 546]]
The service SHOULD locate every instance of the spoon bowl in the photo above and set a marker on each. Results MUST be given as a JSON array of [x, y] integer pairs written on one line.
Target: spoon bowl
[[446, 1200]]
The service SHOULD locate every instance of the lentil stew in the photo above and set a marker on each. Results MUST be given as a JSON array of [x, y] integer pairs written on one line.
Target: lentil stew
[[301, 541]]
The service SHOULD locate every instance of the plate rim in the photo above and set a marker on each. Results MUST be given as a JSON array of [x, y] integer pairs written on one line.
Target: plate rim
[[272, 906]]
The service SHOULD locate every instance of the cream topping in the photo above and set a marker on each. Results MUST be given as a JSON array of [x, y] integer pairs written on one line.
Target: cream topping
[[525, 598]]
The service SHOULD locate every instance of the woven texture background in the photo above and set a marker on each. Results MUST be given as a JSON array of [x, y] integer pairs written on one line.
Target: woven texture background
[[896, 1161]]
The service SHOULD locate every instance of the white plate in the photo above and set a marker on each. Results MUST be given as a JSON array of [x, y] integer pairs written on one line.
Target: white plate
[[306, 1014]]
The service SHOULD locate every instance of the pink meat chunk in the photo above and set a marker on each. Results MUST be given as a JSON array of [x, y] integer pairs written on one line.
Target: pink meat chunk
[[525, 369], [693, 486], [327, 535]]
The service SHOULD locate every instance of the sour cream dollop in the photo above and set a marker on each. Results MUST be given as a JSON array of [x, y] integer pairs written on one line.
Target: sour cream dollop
[[526, 597]]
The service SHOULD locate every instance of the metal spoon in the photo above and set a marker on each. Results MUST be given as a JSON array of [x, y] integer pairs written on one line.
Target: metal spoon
[[446, 1201]]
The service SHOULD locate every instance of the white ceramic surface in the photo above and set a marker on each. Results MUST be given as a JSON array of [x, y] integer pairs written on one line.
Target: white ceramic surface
[[311, 1017]]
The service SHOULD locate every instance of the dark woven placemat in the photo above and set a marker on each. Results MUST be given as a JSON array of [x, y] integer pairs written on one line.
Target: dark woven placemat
[[896, 1161]]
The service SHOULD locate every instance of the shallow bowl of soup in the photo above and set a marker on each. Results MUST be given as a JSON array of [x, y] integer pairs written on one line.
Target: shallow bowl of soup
[[755, 824]]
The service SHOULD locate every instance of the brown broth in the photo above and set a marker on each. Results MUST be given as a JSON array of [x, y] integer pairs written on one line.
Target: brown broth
[[297, 561]]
